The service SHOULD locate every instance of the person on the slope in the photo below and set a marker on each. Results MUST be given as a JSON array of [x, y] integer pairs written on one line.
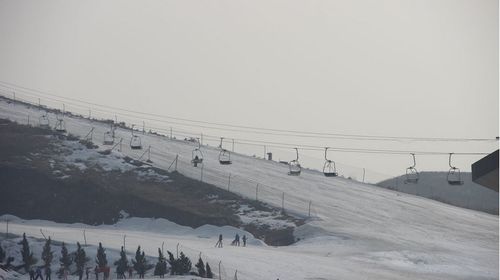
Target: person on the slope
[[219, 243], [48, 273], [38, 273], [244, 240], [32, 274]]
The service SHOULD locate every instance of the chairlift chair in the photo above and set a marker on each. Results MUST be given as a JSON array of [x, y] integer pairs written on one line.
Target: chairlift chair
[[454, 175], [60, 126], [135, 141], [294, 165], [329, 168], [225, 157], [197, 156], [109, 137], [412, 175], [44, 121]]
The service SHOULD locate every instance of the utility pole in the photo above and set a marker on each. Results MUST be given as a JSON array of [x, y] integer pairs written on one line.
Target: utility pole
[[309, 211], [363, 174], [283, 202], [220, 274], [233, 146], [170, 133], [201, 176]]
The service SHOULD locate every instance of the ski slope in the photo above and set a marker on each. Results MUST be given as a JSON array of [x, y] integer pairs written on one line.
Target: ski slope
[[359, 231]]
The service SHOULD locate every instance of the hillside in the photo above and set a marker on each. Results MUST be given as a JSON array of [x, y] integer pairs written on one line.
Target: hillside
[[356, 231], [48, 175]]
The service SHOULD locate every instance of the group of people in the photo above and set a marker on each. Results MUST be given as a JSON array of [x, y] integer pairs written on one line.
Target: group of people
[[35, 274], [236, 241]]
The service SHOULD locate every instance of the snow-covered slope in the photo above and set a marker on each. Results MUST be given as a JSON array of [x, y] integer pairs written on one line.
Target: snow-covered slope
[[360, 231], [434, 185]]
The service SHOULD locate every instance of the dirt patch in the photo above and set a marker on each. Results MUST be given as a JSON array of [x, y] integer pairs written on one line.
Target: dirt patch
[[36, 184]]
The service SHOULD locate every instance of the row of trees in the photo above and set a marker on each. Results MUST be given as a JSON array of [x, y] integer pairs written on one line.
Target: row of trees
[[175, 266]]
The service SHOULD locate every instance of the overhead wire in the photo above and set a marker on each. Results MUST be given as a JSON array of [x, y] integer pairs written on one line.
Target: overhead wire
[[249, 129], [282, 145]]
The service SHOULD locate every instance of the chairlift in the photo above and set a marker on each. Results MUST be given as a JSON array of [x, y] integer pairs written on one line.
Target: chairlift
[[412, 173], [294, 165], [197, 155], [44, 121], [135, 141], [329, 168], [60, 126], [454, 175], [109, 136], [224, 155]]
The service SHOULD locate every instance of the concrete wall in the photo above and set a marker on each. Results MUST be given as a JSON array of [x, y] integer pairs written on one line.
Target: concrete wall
[[434, 185]]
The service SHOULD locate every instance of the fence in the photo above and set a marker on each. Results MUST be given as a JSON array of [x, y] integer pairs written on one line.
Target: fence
[[246, 187], [249, 188]]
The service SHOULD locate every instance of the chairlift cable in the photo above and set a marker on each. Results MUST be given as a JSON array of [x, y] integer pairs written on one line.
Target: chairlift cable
[[260, 130]]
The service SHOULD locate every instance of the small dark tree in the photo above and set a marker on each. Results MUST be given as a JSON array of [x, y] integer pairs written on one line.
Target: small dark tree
[[28, 259], [121, 264], [184, 264], [101, 260], [2, 254], [209, 272], [80, 259], [65, 260], [201, 268], [47, 254], [174, 266], [161, 265], [140, 263]]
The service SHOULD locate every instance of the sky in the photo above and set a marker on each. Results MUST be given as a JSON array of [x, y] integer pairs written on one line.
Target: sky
[[403, 68]]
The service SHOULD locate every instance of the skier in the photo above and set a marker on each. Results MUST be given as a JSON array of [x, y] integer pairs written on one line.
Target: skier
[[65, 274], [219, 243], [38, 273], [237, 239], [32, 274], [80, 274], [87, 272], [196, 160], [48, 272], [130, 271], [244, 240]]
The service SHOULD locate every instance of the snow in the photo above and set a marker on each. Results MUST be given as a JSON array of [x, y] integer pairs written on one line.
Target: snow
[[357, 231], [79, 156]]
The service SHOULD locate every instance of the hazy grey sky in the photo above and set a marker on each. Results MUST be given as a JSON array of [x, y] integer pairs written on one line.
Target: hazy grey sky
[[426, 68]]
